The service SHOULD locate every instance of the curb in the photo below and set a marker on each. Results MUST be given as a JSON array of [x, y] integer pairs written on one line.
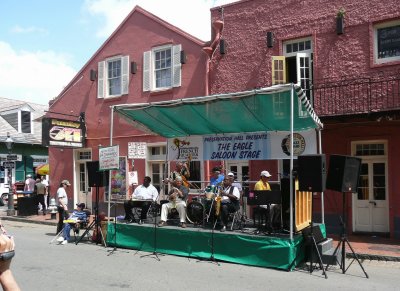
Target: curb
[[27, 220]]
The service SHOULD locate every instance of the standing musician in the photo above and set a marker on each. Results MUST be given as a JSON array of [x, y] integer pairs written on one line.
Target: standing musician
[[230, 197], [177, 198], [181, 170], [142, 198]]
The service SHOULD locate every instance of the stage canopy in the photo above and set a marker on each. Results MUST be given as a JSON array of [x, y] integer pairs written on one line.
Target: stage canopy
[[267, 109]]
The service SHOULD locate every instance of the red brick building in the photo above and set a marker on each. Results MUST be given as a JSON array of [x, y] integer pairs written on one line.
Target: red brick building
[[347, 58], [145, 60]]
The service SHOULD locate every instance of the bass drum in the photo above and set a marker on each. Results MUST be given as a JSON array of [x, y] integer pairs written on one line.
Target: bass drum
[[195, 212]]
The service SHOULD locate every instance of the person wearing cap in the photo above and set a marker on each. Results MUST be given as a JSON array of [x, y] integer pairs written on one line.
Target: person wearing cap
[[62, 204], [146, 192], [263, 184], [216, 177], [29, 184], [177, 198], [73, 220], [235, 183]]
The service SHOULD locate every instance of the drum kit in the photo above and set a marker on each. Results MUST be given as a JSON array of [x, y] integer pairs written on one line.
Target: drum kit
[[199, 209]]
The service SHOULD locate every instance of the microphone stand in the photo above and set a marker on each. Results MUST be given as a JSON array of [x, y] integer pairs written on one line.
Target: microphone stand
[[154, 253], [115, 230]]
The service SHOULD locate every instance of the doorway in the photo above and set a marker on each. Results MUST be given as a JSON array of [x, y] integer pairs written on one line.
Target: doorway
[[371, 203]]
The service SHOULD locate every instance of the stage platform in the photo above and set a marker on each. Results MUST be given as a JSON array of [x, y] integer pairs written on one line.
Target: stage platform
[[261, 250]]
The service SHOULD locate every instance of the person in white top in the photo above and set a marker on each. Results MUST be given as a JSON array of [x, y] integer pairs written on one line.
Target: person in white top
[[142, 198], [46, 195], [62, 204], [29, 184], [230, 197]]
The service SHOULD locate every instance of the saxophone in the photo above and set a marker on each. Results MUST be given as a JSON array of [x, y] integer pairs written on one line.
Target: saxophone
[[218, 200]]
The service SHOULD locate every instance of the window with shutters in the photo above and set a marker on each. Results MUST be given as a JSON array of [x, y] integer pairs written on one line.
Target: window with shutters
[[113, 77], [294, 66], [162, 68]]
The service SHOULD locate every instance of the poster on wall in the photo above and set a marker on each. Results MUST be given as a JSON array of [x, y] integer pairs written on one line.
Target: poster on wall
[[119, 181], [133, 178], [108, 158], [136, 150]]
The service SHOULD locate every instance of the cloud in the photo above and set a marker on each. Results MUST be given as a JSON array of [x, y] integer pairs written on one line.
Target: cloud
[[31, 29], [33, 76], [188, 15]]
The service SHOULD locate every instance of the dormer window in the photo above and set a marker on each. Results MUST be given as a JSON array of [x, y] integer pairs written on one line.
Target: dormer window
[[25, 122], [20, 120]]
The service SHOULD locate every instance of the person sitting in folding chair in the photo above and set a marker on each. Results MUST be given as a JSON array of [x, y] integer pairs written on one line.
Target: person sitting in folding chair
[[143, 196], [230, 197], [177, 200], [77, 217]]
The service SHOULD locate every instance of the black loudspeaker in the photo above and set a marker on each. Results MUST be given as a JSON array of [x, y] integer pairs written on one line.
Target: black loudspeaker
[[96, 178], [93, 75], [343, 173], [222, 46], [270, 39], [312, 172], [133, 67]]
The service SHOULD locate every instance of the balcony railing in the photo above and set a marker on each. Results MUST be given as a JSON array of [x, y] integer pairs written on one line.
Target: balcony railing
[[364, 95]]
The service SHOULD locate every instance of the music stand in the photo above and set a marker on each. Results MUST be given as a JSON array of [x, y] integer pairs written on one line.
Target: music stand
[[265, 197], [342, 244], [154, 253]]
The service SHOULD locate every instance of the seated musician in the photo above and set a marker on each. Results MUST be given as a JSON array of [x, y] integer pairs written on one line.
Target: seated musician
[[263, 184], [142, 198], [177, 198], [73, 220], [230, 197]]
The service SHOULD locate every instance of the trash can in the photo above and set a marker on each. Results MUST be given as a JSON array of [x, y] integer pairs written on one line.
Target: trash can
[[27, 205]]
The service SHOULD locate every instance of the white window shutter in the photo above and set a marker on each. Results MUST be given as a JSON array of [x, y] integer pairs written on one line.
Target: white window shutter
[[176, 63], [125, 75], [100, 79], [146, 71]]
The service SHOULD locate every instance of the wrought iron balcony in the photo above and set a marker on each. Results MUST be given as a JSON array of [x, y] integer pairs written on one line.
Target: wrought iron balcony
[[364, 95]]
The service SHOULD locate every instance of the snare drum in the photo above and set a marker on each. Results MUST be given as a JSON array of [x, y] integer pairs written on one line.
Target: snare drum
[[210, 192], [195, 212]]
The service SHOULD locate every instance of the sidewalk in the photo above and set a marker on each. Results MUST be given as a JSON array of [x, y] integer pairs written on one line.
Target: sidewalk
[[366, 247]]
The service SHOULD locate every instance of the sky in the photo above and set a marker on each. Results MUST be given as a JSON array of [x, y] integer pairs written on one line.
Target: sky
[[44, 43]]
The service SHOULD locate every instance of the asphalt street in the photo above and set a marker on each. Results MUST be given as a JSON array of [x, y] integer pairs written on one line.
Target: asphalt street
[[39, 265]]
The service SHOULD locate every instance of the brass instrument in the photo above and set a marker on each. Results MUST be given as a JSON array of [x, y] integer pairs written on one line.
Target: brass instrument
[[218, 200], [172, 197]]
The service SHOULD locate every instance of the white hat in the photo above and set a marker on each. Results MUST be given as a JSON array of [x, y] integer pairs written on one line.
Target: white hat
[[231, 174], [265, 174]]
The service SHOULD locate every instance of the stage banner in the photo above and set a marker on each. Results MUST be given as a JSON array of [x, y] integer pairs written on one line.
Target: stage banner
[[304, 143], [244, 146], [180, 149]]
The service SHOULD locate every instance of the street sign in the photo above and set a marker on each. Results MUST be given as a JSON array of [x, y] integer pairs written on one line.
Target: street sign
[[12, 158], [9, 164]]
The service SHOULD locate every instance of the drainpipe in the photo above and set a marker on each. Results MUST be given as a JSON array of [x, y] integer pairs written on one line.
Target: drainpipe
[[217, 25]]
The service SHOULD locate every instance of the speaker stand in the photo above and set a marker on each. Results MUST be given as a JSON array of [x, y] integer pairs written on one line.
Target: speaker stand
[[342, 244]]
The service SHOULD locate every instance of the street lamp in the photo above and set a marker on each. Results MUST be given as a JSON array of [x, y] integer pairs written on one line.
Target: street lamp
[[10, 211]]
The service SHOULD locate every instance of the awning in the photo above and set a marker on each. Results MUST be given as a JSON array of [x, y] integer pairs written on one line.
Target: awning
[[43, 169], [267, 109]]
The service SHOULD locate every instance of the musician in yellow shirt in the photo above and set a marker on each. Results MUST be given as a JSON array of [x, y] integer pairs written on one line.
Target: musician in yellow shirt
[[263, 184], [142, 197]]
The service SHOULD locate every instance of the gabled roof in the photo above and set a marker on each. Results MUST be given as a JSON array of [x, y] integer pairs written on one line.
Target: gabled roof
[[37, 110], [136, 9]]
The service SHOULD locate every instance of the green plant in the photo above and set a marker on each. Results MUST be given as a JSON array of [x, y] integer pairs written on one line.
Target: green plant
[[341, 12]]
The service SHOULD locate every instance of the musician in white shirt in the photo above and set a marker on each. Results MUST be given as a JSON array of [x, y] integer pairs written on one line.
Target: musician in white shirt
[[142, 198]]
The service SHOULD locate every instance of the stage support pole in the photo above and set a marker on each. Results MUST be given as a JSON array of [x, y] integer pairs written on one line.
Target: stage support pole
[[322, 193], [291, 161], [109, 181]]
